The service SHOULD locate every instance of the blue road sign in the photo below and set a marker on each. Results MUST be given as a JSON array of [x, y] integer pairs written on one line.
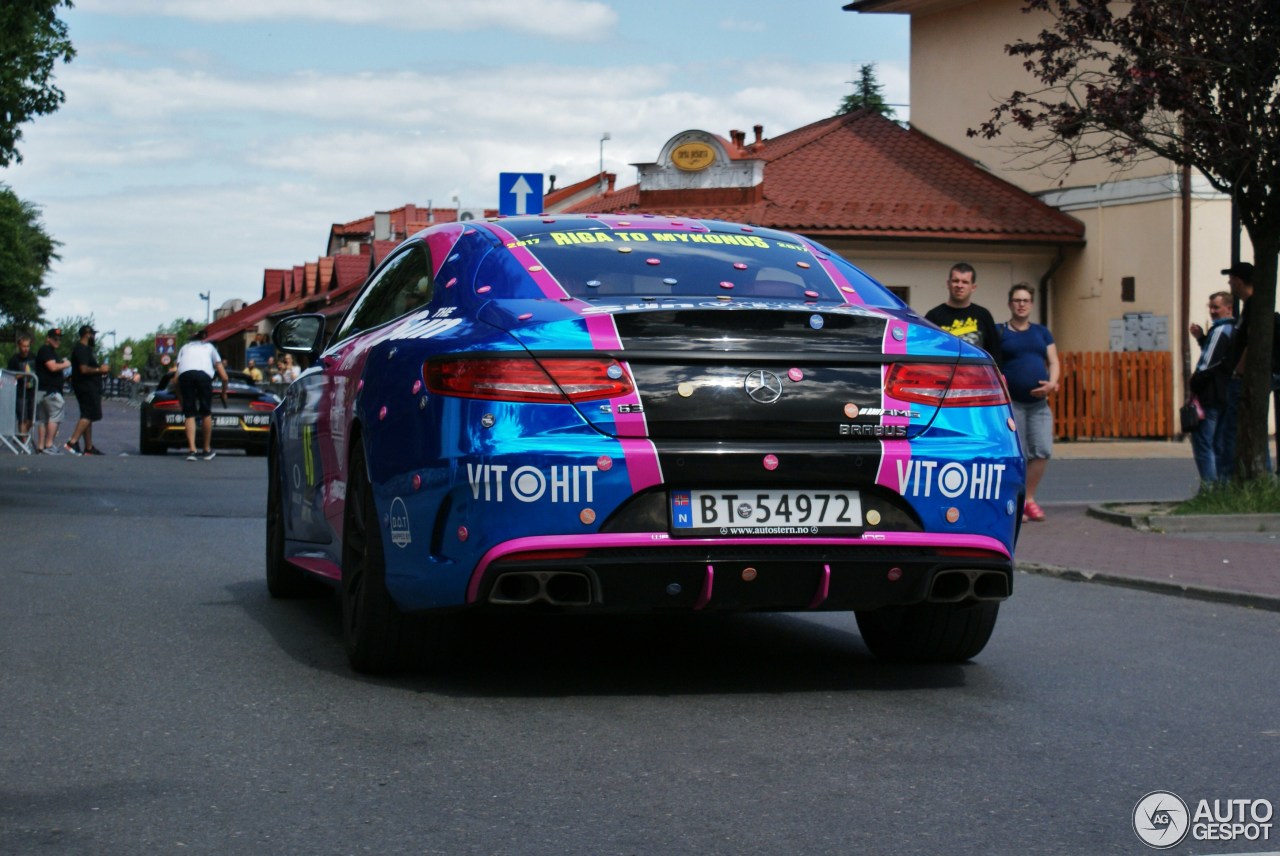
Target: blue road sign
[[519, 193]]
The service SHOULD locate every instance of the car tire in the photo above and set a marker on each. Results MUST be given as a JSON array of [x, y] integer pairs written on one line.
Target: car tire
[[374, 631], [283, 579], [928, 632], [147, 446]]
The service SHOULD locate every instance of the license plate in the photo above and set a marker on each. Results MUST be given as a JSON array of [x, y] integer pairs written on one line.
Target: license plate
[[226, 421], [765, 512]]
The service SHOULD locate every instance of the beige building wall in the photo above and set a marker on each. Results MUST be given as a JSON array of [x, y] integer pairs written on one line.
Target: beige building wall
[[960, 71]]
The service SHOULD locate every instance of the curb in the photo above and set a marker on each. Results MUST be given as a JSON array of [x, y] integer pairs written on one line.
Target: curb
[[1187, 522], [1193, 592]]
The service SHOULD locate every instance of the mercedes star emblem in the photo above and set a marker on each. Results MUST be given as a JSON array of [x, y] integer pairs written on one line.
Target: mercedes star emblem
[[763, 387]]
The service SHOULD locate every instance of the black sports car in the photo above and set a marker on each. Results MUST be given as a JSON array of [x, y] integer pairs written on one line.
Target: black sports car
[[244, 422]]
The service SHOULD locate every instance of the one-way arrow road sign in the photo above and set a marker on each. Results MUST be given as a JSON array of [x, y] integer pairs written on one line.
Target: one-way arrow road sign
[[519, 193]]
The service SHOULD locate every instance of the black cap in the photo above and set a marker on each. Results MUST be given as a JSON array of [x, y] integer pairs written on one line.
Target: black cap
[[54, 333], [86, 329], [1244, 270]]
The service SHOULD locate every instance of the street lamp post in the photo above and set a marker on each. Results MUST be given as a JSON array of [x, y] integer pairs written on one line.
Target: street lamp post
[[603, 137], [204, 295]]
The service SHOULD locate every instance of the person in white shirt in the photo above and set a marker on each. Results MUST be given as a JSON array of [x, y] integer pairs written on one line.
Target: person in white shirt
[[198, 362]]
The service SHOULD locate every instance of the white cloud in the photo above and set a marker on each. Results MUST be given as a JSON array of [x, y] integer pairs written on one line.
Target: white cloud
[[564, 19]]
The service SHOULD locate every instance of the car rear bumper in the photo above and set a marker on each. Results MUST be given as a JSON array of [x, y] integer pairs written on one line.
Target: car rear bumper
[[646, 572]]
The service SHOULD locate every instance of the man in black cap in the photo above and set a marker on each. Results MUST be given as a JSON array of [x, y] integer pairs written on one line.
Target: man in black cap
[[50, 369], [1240, 278], [86, 383]]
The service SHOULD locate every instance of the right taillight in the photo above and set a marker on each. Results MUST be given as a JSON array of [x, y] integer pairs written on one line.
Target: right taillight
[[946, 384]]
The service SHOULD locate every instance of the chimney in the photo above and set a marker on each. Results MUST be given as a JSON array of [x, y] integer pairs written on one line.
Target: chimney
[[738, 138], [759, 129], [381, 225], [612, 177]]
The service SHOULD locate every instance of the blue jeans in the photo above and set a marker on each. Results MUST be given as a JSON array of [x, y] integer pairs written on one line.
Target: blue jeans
[[1208, 445]]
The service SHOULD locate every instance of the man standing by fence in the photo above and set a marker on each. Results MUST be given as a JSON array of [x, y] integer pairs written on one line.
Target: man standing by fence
[[24, 362]]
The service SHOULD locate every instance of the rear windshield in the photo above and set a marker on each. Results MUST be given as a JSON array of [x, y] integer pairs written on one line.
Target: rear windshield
[[603, 265]]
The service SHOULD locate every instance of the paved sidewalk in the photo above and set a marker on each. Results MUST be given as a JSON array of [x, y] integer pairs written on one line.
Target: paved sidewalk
[[1235, 567]]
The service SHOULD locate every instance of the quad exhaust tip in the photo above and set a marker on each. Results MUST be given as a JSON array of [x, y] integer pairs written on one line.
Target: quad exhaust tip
[[958, 585], [558, 588]]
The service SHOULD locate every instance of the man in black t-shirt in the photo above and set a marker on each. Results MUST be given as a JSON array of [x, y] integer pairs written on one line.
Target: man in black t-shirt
[[24, 362], [49, 372], [960, 317], [86, 383]]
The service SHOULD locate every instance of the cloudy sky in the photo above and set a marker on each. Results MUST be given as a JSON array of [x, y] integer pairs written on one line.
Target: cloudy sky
[[202, 142]]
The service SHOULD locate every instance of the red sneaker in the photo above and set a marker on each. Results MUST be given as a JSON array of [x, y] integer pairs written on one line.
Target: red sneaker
[[1032, 510]]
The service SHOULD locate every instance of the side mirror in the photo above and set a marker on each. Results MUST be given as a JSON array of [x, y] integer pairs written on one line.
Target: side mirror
[[300, 334]]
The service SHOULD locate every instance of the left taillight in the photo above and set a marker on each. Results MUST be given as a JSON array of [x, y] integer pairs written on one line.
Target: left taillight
[[946, 385], [166, 404], [552, 379], [262, 405]]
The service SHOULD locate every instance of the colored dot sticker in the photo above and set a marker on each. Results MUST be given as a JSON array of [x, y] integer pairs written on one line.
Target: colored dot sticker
[[593, 283], [614, 372], [488, 420], [812, 294], [624, 249], [382, 412], [451, 283], [463, 534], [524, 316], [804, 265], [749, 575], [851, 410], [534, 268], [624, 222], [360, 385], [820, 256], [484, 289], [669, 281], [895, 574], [417, 387], [770, 462], [747, 229], [653, 261], [873, 517], [816, 322], [604, 463], [685, 389], [587, 516], [417, 481], [740, 265], [953, 514], [795, 375], [548, 220], [847, 289], [899, 334], [726, 284], [1013, 426], [723, 297]]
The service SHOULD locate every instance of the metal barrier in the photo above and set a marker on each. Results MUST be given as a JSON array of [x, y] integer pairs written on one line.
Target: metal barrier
[[15, 408]]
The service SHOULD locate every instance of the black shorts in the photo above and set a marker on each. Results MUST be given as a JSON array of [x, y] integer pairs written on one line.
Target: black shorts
[[25, 407], [90, 400], [196, 389]]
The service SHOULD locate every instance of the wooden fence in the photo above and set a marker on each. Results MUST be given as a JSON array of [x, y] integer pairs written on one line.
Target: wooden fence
[[1114, 394]]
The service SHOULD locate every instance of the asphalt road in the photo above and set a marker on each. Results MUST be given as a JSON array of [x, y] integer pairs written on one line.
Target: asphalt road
[[155, 699]]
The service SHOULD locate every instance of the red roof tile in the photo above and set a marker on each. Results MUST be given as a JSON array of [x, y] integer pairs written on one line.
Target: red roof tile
[[861, 175]]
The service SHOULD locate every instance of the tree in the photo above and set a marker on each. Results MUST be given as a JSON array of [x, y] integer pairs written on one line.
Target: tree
[[1196, 82], [26, 252], [34, 39], [866, 94]]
